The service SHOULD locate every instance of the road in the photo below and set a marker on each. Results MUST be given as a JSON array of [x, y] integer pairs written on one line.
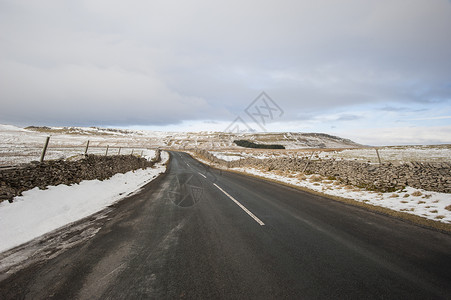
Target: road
[[199, 233]]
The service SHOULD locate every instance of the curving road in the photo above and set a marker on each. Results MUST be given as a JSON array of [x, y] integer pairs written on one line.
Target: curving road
[[206, 234]]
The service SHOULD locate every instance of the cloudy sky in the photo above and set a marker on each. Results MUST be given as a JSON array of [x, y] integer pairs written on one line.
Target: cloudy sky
[[378, 72]]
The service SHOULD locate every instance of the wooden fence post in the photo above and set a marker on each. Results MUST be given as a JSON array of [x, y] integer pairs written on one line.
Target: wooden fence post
[[86, 149], [378, 156], [119, 151], [308, 161], [106, 152], [45, 149]]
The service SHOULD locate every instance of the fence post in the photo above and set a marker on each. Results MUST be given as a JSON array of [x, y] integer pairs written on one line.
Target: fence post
[[45, 149], [106, 152], [308, 161], [132, 151], [86, 149], [119, 152], [378, 156]]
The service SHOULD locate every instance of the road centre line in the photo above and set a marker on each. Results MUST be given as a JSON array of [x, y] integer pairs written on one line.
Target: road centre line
[[240, 205], [202, 175]]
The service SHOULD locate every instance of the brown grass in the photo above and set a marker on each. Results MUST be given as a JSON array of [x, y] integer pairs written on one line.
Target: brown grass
[[417, 193], [316, 178], [448, 207], [301, 177], [407, 209], [279, 172]]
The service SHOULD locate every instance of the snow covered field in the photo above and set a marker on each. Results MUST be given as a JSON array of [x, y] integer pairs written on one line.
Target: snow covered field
[[20, 145], [399, 154], [431, 205], [23, 146], [40, 211], [232, 155]]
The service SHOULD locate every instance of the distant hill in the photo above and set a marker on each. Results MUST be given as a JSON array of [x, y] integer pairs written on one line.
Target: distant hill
[[204, 140]]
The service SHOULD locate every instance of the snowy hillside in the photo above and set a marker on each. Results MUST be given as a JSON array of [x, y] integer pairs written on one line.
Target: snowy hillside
[[21, 145], [206, 139]]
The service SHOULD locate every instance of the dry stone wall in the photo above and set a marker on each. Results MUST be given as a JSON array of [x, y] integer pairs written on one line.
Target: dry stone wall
[[386, 177], [16, 180]]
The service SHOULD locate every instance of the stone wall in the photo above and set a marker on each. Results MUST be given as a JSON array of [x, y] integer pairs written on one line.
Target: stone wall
[[386, 177], [16, 180]]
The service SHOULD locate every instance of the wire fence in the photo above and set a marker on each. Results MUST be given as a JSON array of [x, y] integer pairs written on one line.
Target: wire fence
[[389, 154], [20, 154]]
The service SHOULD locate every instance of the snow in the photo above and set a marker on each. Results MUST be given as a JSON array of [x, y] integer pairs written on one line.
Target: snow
[[226, 157], [426, 204], [5, 127], [23, 146], [20, 145], [401, 154], [237, 155], [40, 211]]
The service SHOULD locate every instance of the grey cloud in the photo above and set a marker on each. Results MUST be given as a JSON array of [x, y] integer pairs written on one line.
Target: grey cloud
[[392, 109], [151, 62], [347, 117]]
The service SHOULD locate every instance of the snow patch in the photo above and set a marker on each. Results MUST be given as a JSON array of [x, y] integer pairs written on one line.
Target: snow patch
[[40, 211]]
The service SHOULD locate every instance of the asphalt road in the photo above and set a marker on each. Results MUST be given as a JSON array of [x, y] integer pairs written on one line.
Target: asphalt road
[[204, 234]]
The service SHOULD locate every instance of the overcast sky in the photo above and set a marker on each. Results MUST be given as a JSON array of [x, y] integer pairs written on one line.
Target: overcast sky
[[378, 72]]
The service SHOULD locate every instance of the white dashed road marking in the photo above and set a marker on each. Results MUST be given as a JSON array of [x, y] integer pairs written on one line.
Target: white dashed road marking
[[241, 206]]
